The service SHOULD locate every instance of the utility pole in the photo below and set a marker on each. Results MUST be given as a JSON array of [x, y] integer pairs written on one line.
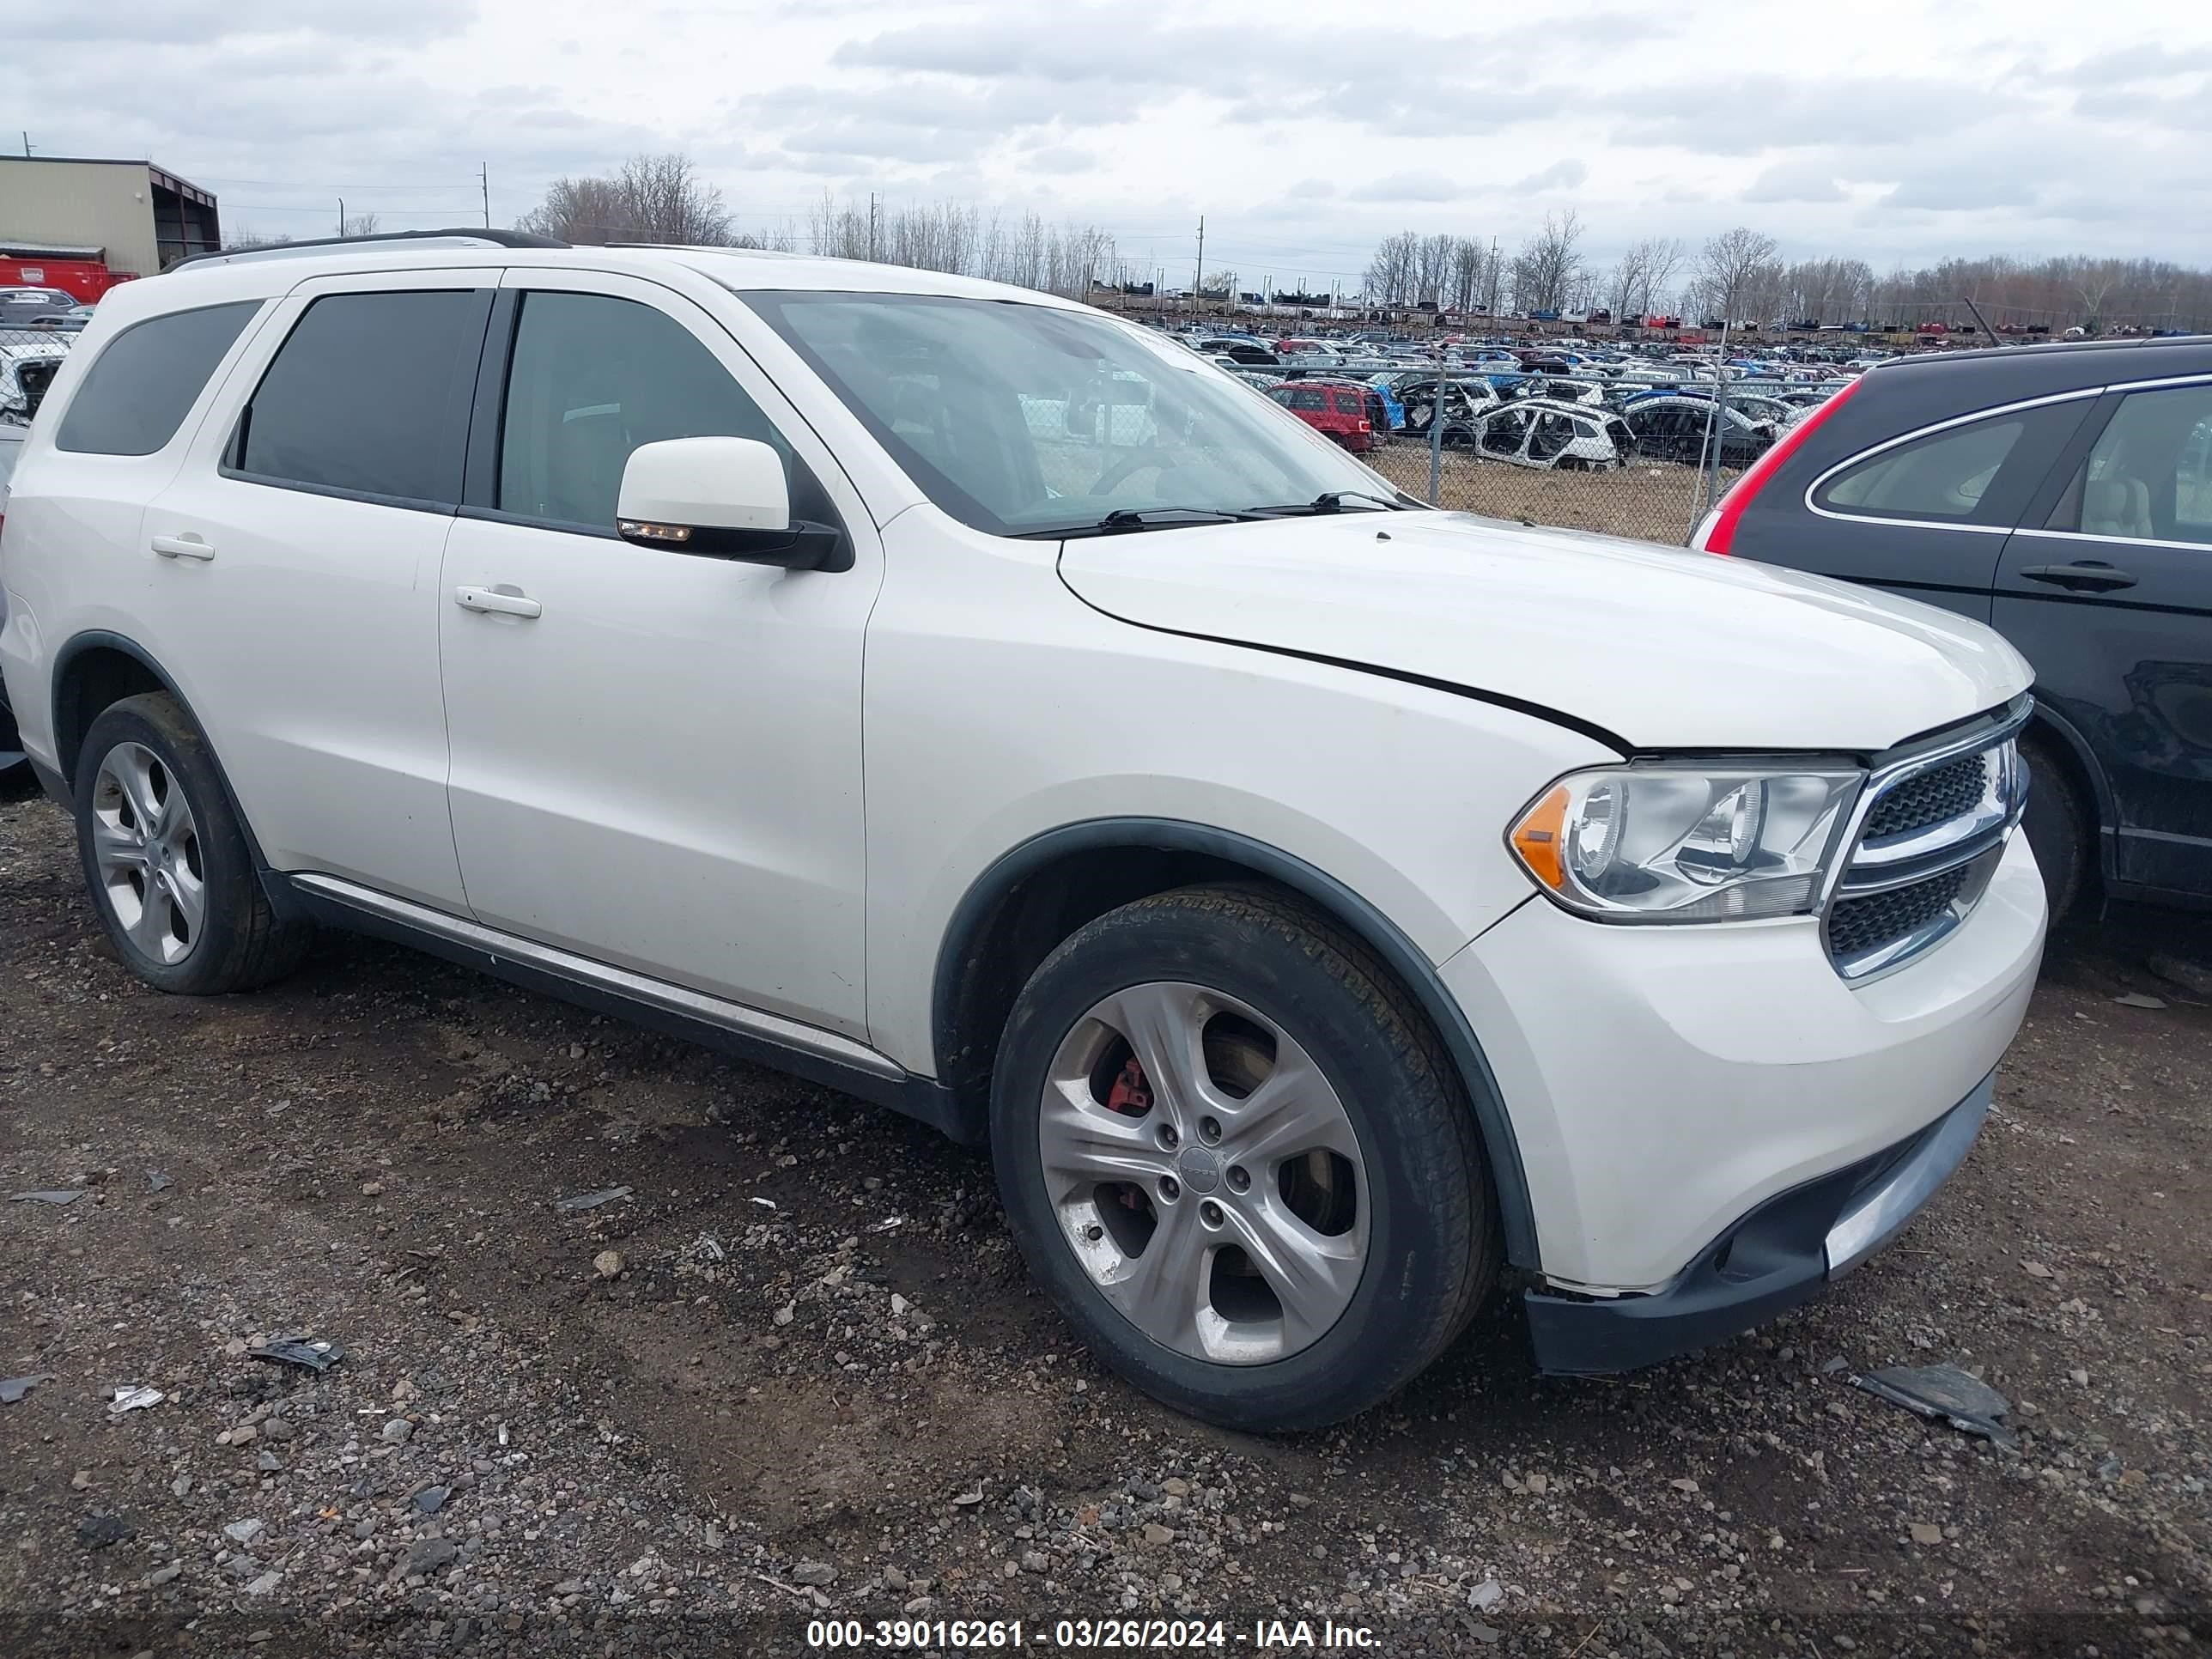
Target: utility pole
[[872, 225], [1492, 310], [1711, 459], [341, 216], [1198, 282], [484, 177], [27, 145]]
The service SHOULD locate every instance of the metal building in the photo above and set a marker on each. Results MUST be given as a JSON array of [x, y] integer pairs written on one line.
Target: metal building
[[140, 218]]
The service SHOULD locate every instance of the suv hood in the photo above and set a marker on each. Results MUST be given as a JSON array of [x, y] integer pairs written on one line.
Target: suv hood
[[1660, 647]]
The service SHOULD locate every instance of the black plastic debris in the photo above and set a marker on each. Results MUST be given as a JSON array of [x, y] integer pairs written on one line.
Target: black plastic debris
[[1947, 1393], [97, 1532], [316, 1355], [47, 1197], [14, 1387], [591, 1200]]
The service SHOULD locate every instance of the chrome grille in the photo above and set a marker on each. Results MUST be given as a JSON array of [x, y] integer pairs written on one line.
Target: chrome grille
[[1932, 825], [1859, 925], [1931, 796]]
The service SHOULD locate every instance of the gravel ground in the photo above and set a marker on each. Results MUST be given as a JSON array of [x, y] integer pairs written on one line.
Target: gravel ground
[[795, 1369]]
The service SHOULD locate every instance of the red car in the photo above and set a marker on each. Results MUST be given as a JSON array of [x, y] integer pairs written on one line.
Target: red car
[[1344, 413]]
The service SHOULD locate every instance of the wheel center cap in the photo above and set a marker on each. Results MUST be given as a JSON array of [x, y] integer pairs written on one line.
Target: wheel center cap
[[1200, 1169]]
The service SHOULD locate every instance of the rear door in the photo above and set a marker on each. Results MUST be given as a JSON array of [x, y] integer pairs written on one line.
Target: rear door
[[294, 562], [2108, 591], [1926, 514]]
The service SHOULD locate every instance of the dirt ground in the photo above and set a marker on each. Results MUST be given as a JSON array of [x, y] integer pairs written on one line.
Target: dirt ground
[[1656, 501], [795, 1370]]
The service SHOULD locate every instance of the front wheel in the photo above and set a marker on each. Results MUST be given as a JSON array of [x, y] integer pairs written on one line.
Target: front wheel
[[1233, 1151]]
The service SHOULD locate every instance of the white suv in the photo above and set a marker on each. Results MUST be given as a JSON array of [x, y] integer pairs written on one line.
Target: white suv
[[1315, 902]]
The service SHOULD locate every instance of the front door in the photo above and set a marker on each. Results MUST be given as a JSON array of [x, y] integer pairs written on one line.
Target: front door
[[656, 755], [2110, 595]]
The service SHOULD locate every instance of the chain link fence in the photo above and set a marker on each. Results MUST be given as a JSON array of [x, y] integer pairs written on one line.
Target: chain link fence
[[1623, 458], [29, 358]]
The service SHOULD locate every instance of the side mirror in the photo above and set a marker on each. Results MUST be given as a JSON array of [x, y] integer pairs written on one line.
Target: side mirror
[[720, 498]]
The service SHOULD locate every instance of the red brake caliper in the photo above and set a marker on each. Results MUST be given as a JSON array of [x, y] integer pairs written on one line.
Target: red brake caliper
[[1130, 1092], [1132, 1095]]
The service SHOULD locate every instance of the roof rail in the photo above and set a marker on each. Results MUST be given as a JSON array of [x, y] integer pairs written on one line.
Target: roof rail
[[467, 237]]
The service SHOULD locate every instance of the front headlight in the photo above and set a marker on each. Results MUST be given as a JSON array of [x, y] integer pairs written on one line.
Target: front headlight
[[1685, 841]]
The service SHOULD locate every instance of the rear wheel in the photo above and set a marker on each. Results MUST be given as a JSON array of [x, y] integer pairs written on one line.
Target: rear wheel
[[1232, 1150], [166, 861], [2057, 825]]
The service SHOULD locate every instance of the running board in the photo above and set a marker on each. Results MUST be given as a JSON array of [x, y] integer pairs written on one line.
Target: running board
[[787, 1045]]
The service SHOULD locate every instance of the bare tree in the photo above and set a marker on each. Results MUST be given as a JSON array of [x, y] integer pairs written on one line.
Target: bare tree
[[242, 238], [1546, 270], [2093, 280], [654, 198], [1665, 259], [1732, 265], [359, 224]]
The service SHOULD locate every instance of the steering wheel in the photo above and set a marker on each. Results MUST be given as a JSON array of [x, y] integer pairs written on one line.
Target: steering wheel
[[1135, 461]]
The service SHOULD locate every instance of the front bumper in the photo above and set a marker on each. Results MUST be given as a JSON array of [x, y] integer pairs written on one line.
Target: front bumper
[[1664, 1082], [1779, 1255]]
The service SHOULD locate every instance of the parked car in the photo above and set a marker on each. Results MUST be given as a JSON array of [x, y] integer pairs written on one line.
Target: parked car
[[66, 322], [1553, 388], [1668, 426], [27, 368], [1341, 412], [19, 304], [1317, 902], [1465, 403], [2051, 493], [11, 447], [1386, 392], [1560, 437]]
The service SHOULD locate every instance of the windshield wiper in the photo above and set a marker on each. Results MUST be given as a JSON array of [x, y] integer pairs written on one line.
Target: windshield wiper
[[1123, 520], [1333, 501]]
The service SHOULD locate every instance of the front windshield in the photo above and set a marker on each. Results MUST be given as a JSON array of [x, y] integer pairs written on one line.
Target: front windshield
[[1023, 420]]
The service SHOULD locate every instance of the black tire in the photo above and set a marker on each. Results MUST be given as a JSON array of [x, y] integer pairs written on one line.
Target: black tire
[[2057, 825], [1432, 1249], [241, 943]]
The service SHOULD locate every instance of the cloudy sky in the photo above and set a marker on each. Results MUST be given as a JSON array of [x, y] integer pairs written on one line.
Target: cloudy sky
[[1886, 131]]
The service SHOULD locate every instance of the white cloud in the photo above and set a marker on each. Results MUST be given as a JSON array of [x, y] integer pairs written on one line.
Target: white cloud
[[1565, 175], [1140, 121]]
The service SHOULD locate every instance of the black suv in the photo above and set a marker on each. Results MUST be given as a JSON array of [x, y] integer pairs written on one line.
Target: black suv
[[2062, 494]]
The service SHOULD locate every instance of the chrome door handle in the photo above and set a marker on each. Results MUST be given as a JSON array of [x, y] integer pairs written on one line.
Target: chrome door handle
[[500, 601], [187, 546]]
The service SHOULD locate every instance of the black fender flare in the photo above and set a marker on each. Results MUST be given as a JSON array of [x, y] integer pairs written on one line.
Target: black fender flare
[[281, 899], [2069, 738], [1517, 1215]]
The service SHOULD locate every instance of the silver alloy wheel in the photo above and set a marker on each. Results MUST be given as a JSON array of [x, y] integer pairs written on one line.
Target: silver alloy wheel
[[148, 850], [1216, 1195]]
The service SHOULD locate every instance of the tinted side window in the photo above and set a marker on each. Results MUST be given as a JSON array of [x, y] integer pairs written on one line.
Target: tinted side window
[[1308, 400], [593, 377], [1944, 475], [141, 387], [2150, 476], [370, 394]]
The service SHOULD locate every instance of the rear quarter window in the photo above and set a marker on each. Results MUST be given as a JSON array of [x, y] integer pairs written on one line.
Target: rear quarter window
[[1946, 475], [146, 380]]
